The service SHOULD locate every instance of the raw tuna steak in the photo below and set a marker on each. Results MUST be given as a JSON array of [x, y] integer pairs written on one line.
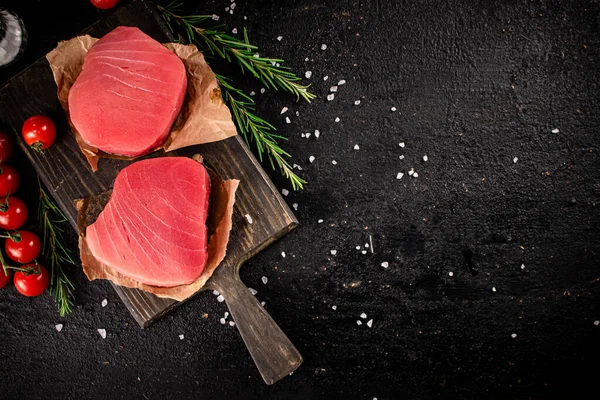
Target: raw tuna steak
[[153, 229], [128, 94]]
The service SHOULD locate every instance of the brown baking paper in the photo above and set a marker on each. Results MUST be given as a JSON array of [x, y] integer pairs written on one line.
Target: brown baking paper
[[203, 118], [222, 197]]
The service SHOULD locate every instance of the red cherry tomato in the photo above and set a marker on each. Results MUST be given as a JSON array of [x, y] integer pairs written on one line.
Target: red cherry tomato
[[9, 180], [39, 132], [13, 213], [6, 147], [32, 284], [23, 247], [104, 4], [4, 279]]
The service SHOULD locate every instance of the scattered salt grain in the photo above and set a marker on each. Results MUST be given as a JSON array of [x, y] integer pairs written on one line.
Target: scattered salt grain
[[279, 38], [385, 264], [364, 252], [283, 254], [356, 147], [220, 298], [215, 17], [363, 316], [333, 252], [330, 97], [306, 135], [245, 18], [226, 314], [393, 109], [337, 119], [370, 323], [58, 327], [358, 247], [335, 308], [401, 144], [596, 322], [333, 89], [451, 273], [249, 218], [222, 321], [283, 110], [359, 322], [288, 120], [320, 221], [514, 335], [555, 130], [226, 9], [522, 266], [400, 175], [411, 172], [415, 175], [231, 12], [340, 83], [232, 5], [401, 157], [356, 102], [295, 205], [181, 337], [323, 46], [264, 280], [216, 292], [234, 31], [231, 323], [308, 74], [306, 59], [334, 162], [311, 159], [263, 303], [252, 93], [425, 158], [285, 192], [102, 333], [297, 113], [104, 303], [262, 90], [253, 291], [317, 133], [367, 245], [515, 160], [493, 289], [325, 77]]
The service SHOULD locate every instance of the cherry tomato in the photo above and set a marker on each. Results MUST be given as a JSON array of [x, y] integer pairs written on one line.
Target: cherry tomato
[[39, 132], [23, 247], [6, 147], [9, 180], [13, 213], [32, 284], [104, 4], [4, 279]]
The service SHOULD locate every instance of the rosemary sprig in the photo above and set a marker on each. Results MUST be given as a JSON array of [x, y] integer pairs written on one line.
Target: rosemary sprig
[[232, 49], [50, 216], [257, 130]]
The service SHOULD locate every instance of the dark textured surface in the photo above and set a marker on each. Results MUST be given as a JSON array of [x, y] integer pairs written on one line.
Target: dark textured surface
[[475, 85]]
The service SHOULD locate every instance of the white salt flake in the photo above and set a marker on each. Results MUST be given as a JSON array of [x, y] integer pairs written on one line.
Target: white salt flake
[[311, 159], [358, 247], [58, 327], [317, 133], [249, 218], [364, 252], [303, 135], [337, 119], [596, 322], [307, 135], [333, 252], [262, 90], [283, 110], [231, 12], [253, 291], [220, 298], [216, 292], [222, 321], [264, 280], [226, 9], [102, 333], [285, 192], [370, 323], [411, 172], [252, 93], [215, 17], [335, 308], [283, 254], [232, 5], [330, 97], [325, 77], [333, 89], [297, 113], [515, 160], [385, 264], [356, 102], [306, 59], [226, 314], [401, 157], [308, 74], [342, 82], [363, 316], [279, 38], [401, 144], [393, 109], [415, 175], [400, 175], [334, 162], [555, 130], [320, 221], [451, 273], [263, 303], [514, 335], [234, 31], [245, 18], [367, 245], [359, 322], [288, 120], [295, 205], [104, 303], [425, 158], [356, 147], [181, 337], [522, 266], [231, 323], [323, 46], [493, 289]]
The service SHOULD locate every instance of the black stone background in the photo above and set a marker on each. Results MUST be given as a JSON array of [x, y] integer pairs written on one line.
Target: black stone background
[[475, 84]]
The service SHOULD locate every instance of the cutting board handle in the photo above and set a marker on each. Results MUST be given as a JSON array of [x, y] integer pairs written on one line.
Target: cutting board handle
[[273, 353]]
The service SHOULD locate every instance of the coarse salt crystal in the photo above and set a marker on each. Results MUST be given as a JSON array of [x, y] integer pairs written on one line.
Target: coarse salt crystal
[[493, 289], [283, 110], [220, 298], [263, 303], [330, 97], [226, 314], [400, 175], [253, 291], [514, 335], [522, 266], [264, 280], [308, 74], [232, 5], [215, 17], [385, 264], [340, 83], [370, 323], [356, 147], [401, 157], [325, 77], [262, 90], [285, 192], [334, 162], [279, 38], [297, 113], [364, 252], [230, 11], [359, 322], [555, 130], [231, 323], [102, 333], [320, 221], [181, 337], [356, 102], [333, 89], [58, 327], [226, 9], [334, 307], [358, 247], [222, 321], [307, 135], [411, 172], [425, 158], [317, 133], [104, 303], [333, 252], [295, 205], [337, 119], [451, 273], [367, 245], [401, 144], [234, 31], [363, 316], [216, 292], [283, 254], [596, 322], [415, 175], [311, 159], [393, 109], [249, 218], [515, 160], [288, 120], [323, 46], [245, 18]]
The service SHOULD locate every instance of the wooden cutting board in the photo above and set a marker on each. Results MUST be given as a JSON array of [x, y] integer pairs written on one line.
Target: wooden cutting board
[[66, 173]]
